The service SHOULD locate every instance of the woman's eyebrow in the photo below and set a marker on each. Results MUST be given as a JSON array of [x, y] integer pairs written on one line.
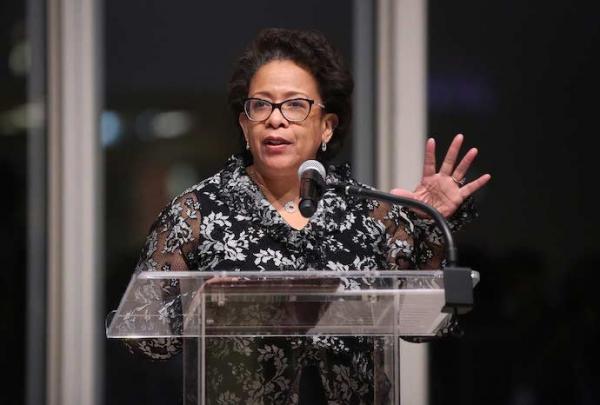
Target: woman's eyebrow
[[284, 96]]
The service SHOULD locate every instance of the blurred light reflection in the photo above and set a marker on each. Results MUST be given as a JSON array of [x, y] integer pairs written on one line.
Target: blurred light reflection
[[19, 58], [111, 128], [170, 124], [461, 94], [21, 118]]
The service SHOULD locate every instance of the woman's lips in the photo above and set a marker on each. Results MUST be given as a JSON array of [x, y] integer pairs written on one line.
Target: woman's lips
[[276, 144]]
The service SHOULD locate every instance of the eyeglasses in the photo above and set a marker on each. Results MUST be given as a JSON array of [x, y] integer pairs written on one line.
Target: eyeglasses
[[293, 110]]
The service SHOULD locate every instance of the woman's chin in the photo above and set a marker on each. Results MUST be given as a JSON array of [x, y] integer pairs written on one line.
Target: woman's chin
[[279, 165]]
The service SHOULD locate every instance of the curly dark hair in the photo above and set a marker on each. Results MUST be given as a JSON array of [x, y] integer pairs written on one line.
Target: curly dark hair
[[311, 50]]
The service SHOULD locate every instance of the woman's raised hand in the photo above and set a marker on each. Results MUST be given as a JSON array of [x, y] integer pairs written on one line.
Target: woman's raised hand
[[445, 190]]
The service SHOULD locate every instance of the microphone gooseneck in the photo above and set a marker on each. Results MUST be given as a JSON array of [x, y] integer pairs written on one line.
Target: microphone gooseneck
[[349, 189], [458, 285], [312, 187]]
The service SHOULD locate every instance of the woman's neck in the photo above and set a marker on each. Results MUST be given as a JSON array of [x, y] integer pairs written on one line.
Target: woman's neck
[[283, 193], [280, 188]]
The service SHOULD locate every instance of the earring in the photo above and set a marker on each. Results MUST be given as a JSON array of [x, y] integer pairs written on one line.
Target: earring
[[247, 146], [324, 146]]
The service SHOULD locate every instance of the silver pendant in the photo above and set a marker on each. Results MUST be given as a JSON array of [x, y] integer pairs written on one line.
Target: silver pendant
[[290, 207]]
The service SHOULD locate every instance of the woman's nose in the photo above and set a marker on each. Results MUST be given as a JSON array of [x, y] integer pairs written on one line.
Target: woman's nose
[[276, 119]]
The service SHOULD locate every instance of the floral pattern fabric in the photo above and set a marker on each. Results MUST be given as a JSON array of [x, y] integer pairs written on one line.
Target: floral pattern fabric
[[225, 223]]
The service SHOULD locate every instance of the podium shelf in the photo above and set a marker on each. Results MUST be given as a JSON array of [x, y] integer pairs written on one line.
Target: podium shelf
[[282, 303]]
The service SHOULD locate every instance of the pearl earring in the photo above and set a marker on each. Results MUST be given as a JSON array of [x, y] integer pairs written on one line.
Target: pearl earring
[[324, 146]]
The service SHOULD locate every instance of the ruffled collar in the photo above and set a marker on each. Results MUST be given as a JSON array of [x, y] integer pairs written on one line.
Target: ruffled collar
[[245, 198], [235, 168]]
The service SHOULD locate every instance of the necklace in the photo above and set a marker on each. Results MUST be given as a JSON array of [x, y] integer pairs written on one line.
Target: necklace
[[289, 207]]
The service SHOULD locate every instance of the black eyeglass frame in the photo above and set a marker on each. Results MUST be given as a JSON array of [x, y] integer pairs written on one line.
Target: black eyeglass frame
[[278, 106]]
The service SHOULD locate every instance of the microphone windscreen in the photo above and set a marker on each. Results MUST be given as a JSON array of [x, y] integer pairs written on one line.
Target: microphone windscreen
[[311, 165]]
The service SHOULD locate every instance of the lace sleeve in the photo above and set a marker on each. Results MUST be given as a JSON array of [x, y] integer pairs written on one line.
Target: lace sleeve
[[416, 243], [171, 239], [429, 235]]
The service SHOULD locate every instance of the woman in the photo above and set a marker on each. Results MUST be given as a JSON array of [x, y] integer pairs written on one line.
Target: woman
[[291, 95]]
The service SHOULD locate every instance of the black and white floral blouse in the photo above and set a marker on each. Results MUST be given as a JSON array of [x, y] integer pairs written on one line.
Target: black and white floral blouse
[[225, 223]]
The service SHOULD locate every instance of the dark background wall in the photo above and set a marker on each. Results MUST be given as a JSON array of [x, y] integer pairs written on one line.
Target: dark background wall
[[13, 206], [519, 79]]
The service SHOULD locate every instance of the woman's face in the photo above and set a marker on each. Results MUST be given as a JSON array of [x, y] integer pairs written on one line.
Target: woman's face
[[279, 146]]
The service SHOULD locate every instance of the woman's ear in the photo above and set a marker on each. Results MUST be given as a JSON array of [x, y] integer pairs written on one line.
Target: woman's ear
[[243, 121], [330, 123]]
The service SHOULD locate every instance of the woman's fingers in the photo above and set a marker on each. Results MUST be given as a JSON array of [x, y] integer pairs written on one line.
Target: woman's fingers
[[472, 186], [462, 168], [451, 156], [448, 168], [429, 162]]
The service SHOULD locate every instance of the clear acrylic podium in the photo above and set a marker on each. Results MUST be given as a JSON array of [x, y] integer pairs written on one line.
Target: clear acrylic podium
[[386, 305]]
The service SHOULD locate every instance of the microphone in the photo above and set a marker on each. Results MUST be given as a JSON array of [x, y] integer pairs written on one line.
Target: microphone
[[312, 186]]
